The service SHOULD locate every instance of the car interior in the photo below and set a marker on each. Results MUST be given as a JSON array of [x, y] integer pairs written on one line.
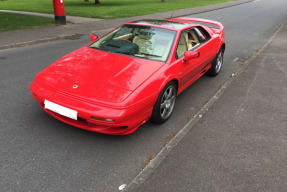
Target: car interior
[[188, 40], [150, 44]]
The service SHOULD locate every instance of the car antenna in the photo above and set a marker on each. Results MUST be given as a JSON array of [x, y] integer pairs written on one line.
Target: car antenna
[[171, 15]]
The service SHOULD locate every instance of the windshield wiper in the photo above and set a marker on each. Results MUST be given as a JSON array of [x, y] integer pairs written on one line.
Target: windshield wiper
[[147, 54]]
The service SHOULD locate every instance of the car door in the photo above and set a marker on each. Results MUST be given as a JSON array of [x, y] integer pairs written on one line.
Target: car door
[[188, 69], [206, 48], [195, 39]]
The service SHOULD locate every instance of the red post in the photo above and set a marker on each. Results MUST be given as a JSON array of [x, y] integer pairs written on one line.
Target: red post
[[59, 10]]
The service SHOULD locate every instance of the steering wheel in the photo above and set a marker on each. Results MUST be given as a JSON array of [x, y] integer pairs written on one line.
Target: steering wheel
[[126, 40]]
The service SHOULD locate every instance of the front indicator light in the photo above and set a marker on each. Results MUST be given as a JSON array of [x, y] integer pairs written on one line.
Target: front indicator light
[[102, 119]]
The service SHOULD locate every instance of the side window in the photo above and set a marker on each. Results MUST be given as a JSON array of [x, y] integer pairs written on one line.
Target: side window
[[202, 34], [181, 47]]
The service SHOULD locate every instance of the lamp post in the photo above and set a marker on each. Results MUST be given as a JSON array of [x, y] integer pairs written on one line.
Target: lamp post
[[59, 10]]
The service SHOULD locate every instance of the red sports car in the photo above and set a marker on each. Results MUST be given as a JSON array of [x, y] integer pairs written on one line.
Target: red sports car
[[131, 74]]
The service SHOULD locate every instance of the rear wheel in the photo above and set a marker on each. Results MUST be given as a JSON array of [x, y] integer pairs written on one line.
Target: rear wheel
[[216, 64], [165, 103]]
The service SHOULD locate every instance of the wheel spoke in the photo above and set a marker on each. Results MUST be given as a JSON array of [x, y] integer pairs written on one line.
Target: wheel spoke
[[165, 94], [170, 92], [163, 113], [163, 104], [166, 112], [172, 99]]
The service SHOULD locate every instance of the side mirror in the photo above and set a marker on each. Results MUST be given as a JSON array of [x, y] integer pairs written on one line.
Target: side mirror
[[94, 37], [190, 55]]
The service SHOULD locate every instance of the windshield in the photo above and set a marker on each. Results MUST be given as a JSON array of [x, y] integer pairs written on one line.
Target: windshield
[[139, 41]]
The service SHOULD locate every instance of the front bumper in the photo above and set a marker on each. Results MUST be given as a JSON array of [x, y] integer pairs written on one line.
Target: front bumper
[[127, 120]]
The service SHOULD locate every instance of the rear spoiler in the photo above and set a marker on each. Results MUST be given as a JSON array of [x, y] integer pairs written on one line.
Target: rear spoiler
[[219, 25]]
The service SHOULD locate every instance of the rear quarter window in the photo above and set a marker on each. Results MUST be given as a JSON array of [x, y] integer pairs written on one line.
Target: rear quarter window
[[202, 34]]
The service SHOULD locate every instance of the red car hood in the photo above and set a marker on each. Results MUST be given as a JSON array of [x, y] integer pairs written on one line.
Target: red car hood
[[92, 73]]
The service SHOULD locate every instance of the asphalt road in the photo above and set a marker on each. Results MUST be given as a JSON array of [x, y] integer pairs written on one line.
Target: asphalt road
[[39, 153]]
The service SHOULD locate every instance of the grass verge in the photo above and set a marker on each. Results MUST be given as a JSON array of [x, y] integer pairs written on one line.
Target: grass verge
[[11, 21], [107, 9]]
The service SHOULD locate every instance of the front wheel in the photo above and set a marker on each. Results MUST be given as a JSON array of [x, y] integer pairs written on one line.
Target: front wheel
[[165, 103], [216, 64]]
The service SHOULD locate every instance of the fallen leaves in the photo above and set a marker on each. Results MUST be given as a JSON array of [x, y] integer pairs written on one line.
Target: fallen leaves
[[191, 116], [168, 139], [148, 161]]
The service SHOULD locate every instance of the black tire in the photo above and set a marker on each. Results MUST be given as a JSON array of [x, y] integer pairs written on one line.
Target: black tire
[[216, 64], [165, 103]]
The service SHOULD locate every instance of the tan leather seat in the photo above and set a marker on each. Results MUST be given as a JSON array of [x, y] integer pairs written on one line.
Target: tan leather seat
[[188, 42], [181, 48], [195, 40], [143, 40]]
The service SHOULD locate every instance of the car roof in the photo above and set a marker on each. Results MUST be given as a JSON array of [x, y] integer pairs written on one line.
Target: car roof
[[164, 23]]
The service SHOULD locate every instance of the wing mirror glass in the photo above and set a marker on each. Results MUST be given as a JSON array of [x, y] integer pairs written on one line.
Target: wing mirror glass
[[94, 37], [190, 55]]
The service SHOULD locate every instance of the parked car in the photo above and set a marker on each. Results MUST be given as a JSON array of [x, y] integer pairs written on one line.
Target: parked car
[[131, 74]]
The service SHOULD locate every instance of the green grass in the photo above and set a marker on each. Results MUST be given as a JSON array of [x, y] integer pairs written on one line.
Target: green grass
[[107, 9], [11, 21]]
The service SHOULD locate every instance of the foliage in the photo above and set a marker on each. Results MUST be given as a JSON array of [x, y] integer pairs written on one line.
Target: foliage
[[107, 8], [11, 21]]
